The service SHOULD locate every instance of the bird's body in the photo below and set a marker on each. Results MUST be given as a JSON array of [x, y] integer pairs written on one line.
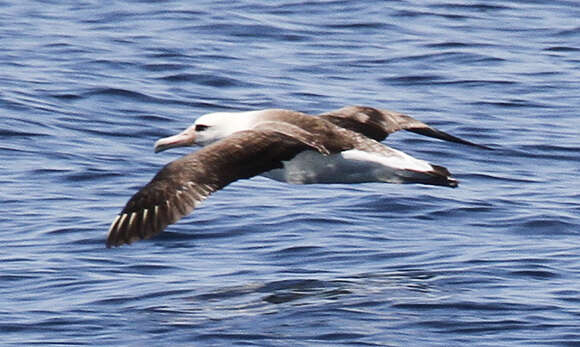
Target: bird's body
[[337, 147], [351, 166]]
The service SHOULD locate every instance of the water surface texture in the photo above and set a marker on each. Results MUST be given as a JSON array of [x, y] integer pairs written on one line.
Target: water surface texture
[[86, 87]]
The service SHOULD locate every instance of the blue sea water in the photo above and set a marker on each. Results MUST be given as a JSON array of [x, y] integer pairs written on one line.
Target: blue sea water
[[87, 87]]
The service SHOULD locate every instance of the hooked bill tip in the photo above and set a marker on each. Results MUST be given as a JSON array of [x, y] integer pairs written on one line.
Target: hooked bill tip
[[186, 138]]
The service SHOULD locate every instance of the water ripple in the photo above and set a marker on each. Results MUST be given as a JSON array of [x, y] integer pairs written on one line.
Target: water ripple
[[87, 88]]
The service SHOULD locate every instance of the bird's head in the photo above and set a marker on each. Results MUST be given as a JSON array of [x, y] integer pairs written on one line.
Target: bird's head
[[208, 129]]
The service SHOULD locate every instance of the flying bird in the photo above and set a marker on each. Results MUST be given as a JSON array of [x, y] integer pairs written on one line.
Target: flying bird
[[341, 146]]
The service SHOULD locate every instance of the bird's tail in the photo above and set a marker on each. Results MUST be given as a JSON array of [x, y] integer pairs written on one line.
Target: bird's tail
[[438, 176]]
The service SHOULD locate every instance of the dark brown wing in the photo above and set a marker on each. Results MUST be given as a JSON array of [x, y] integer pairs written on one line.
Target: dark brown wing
[[378, 124], [184, 183]]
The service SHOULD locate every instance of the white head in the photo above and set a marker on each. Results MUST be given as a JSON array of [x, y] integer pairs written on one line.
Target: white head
[[209, 128]]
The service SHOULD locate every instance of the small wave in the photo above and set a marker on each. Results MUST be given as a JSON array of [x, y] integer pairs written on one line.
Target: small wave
[[164, 67], [477, 7], [120, 93], [117, 92], [12, 132], [416, 14], [511, 103], [535, 274], [561, 49], [207, 80], [412, 79], [546, 225]]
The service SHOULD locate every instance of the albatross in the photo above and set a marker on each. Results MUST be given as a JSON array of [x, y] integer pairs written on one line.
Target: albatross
[[341, 146]]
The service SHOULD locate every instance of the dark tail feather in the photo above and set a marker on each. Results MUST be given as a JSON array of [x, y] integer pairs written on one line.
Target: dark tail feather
[[442, 175], [439, 176]]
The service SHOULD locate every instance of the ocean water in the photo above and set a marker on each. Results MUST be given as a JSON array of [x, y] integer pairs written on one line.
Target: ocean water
[[86, 88]]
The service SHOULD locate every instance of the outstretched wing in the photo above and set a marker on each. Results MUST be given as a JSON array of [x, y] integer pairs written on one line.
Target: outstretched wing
[[378, 124], [184, 183]]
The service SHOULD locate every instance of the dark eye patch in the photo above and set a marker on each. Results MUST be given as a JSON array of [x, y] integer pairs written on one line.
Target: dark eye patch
[[200, 127]]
